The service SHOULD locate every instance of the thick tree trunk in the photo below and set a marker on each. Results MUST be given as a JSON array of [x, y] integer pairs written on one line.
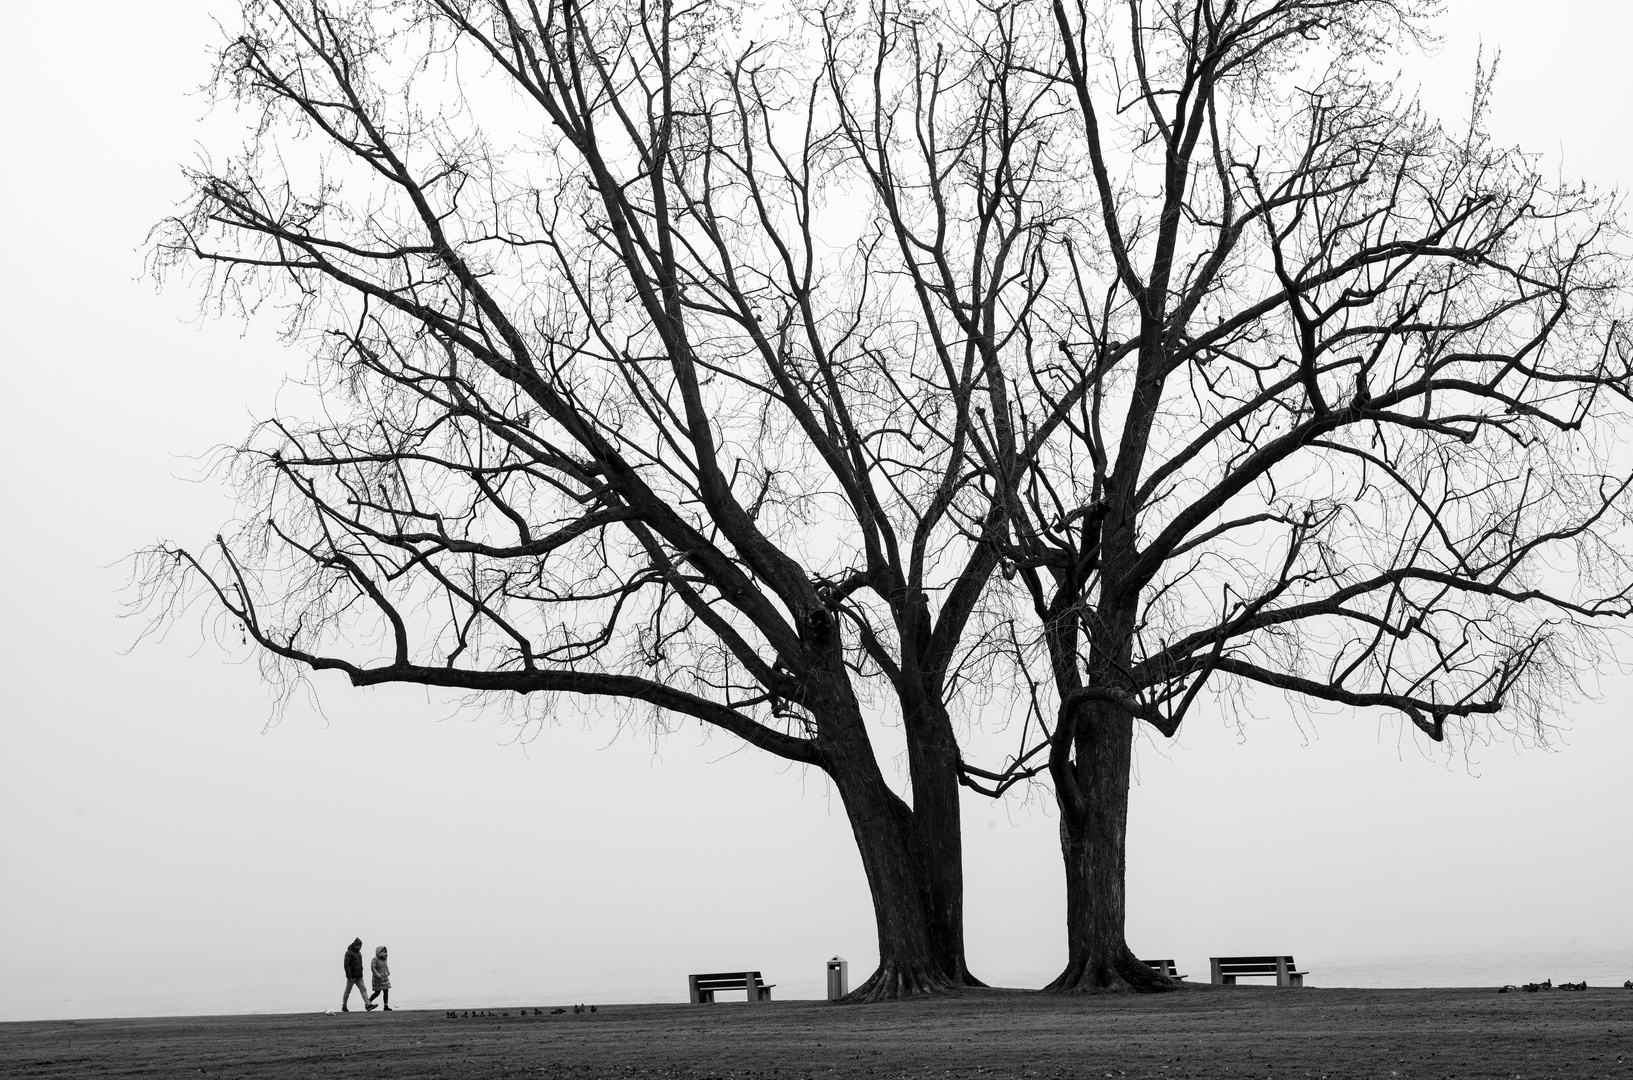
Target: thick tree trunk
[[911, 941], [937, 837], [1093, 835]]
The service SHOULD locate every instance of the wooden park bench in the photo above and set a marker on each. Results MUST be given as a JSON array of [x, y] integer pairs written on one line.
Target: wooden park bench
[[1165, 967], [1226, 969], [702, 987]]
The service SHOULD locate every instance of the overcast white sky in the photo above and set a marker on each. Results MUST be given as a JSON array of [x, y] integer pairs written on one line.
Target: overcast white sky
[[163, 850]]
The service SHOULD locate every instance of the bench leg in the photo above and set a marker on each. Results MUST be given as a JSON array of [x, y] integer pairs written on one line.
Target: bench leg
[[1295, 979], [692, 992], [1213, 973], [752, 985]]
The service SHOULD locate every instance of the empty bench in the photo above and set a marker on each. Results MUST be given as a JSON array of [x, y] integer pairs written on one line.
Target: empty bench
[[1226, 969], [702, 988], [1164, 967]]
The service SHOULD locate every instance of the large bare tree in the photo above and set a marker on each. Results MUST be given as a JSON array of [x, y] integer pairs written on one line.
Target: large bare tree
[[622, 386], [657, 365], [1343, 414]]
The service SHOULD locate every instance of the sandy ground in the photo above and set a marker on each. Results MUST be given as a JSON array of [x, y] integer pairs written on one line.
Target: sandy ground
[[1202, 1031]]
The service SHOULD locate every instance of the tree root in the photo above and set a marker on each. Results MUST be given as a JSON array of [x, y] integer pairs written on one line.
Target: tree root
[[1109, 974], [961, 976], [894, 981]]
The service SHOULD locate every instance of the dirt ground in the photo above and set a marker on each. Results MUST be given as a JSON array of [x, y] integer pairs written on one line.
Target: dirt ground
[[1201, 1031]]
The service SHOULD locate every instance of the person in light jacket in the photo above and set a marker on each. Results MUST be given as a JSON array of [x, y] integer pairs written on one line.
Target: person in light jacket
[[354, 977], [382, 977]]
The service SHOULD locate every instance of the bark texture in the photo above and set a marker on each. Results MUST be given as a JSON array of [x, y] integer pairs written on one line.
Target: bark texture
[[911, 931], [1093, 835], [937, 839], [904, 852]]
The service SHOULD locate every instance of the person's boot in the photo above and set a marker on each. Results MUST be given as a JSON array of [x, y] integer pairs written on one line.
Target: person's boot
[[369, 1006]]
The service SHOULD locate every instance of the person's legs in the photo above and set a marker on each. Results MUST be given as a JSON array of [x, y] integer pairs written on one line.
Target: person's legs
[[387, 993], [362, 994]]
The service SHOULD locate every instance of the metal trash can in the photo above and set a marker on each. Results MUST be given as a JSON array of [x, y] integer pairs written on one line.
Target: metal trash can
[[839, 978]]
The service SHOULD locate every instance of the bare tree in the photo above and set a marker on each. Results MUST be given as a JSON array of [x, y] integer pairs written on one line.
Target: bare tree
[[622, 388], [661, 366], [1342, 413]]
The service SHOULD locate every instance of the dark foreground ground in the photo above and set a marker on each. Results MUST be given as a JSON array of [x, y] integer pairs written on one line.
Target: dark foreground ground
[[1197, 1032]]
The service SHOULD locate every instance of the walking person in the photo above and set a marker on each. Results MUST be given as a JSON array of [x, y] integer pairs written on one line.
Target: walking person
[[354, 976], [382, 977]]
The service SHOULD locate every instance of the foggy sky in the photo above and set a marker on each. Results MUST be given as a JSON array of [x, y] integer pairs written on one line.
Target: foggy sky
[[168, 839]]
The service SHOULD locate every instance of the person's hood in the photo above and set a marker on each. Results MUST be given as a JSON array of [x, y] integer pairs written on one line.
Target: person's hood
[[356, 946], [380, 953]]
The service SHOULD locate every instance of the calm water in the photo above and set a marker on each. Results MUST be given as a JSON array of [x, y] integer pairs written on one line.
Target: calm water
[[303, 991], [1604, 968]]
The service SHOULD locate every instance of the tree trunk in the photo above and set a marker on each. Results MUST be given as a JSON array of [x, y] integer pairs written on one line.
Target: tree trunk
[[911, 942], [937, 838], [1093, 836]]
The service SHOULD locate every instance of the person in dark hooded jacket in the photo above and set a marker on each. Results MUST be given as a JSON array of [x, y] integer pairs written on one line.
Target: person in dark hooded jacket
[[354, 977]]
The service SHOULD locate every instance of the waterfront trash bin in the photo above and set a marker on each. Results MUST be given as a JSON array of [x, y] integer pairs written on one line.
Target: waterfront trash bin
[[839, 978]]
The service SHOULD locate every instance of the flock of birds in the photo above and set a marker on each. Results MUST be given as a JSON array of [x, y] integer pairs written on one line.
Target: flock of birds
[[1548, 984], [495, 1014]]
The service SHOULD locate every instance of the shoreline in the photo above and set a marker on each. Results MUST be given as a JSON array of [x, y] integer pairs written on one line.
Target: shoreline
[[300, 988]]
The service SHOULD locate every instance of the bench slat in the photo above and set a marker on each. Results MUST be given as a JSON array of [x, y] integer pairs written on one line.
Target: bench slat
[[1271, 960]]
